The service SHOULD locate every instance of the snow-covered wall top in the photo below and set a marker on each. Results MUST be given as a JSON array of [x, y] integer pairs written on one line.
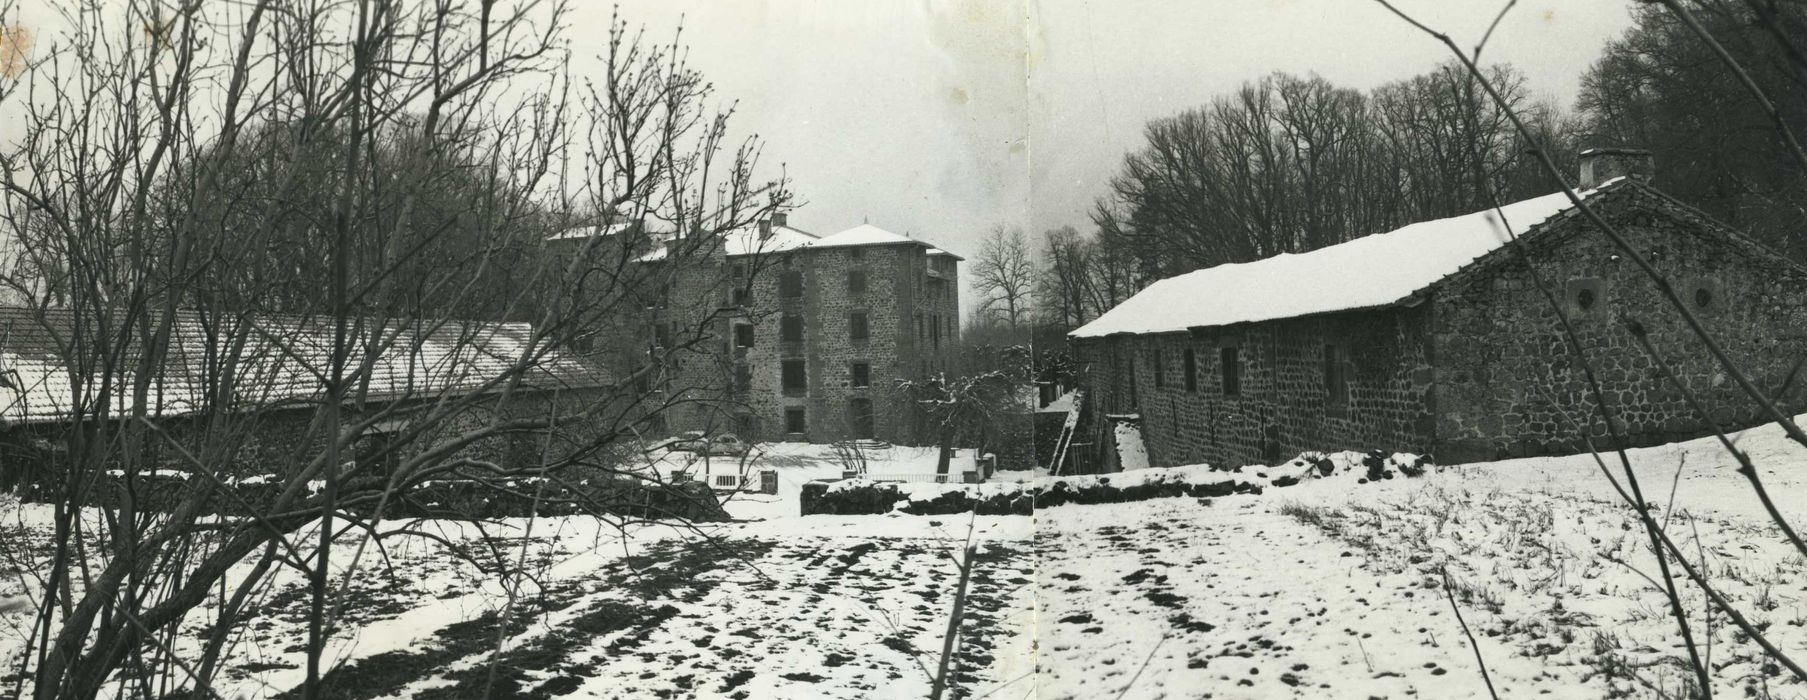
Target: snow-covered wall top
[[1371, 271]]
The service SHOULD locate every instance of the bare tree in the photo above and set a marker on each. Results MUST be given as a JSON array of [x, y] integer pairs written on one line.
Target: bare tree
[[1291, 164], [1625, 481], [1004, 275], [168, 165]]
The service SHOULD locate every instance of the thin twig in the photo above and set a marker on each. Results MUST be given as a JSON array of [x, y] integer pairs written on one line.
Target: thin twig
[[1449, 591], [1145, 661]]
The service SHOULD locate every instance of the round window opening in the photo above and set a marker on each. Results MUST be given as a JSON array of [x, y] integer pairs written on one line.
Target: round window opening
[[1584, 298], [1703, 297]]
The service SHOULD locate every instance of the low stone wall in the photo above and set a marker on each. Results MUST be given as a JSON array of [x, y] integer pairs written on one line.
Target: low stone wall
[[861, 497], [857, 497], [452, 500]]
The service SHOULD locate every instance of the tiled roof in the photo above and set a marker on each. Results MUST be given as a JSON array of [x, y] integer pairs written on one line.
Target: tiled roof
[[284, 358]]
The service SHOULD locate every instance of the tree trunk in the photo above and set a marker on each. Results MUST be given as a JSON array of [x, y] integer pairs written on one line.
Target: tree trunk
[[946, 456]]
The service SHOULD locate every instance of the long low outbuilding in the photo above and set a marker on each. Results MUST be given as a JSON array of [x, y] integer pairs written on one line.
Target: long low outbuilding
[[1441, 337]]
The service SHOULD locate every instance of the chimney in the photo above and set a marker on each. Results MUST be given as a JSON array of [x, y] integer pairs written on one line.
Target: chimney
[[780, 218], [765, 229], [1601, 164]]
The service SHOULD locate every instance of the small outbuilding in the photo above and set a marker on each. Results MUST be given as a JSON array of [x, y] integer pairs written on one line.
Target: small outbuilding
[[1438, 337]]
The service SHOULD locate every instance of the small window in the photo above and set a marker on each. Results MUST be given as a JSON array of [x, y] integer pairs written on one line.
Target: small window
[[919, 328], [856, 281], [1232, 371], [935, 330], [795, 378], [862, 375], [743, 335], [1336, 383], [790, 284], [743, 378], [740, 296], [1586, 298], [856, 254], [1704, 294], [1159, 372], [790, 328], [662, 335], [1189, 365], [857, 329], [794, 421]]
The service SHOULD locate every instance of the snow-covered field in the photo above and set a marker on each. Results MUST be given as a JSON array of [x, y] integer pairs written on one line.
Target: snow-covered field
[[1330, 588], [772, 606]]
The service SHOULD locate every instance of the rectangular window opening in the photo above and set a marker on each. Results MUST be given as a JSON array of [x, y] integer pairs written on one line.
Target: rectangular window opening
[[1159, 372], [794, 421], [1231, 365], [790, 284], [1336, 383], [790, 328], [862, 375], [857, 328], [1190, 361], [795, 379]]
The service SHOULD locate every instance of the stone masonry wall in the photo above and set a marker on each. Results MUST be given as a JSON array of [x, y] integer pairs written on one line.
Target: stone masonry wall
[[1283, 406], [1508, 381], [896, 292]]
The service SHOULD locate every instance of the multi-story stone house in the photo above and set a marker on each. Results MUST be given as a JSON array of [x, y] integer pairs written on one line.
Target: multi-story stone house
[[774, 333], [1438, 337]]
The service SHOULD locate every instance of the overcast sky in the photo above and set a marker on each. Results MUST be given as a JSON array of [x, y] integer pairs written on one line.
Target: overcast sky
[[945, 118]]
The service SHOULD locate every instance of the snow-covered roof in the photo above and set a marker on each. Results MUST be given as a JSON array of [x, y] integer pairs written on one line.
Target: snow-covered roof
[[747, 241], [1372, 271], [866, 234], [280, 360], [582, 232]]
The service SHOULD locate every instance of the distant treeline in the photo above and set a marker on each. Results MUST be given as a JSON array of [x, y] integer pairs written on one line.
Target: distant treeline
[[1290, 163]]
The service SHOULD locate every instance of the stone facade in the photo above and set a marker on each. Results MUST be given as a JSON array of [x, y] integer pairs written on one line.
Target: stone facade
[[1282, 401], [849, 321], [1478, 366], [1508, 382], [906, 292]]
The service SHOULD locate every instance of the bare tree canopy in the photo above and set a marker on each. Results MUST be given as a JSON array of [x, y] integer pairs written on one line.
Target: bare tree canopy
[[1290, 164], [312, 221], [1661, 88], [1004, 275]]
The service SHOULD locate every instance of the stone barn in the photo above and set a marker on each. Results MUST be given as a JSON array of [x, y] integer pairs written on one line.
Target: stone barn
[[1437, 337]]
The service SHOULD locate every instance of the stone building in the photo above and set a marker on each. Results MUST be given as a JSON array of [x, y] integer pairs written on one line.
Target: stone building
[[804, 337], [1438, 337]]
